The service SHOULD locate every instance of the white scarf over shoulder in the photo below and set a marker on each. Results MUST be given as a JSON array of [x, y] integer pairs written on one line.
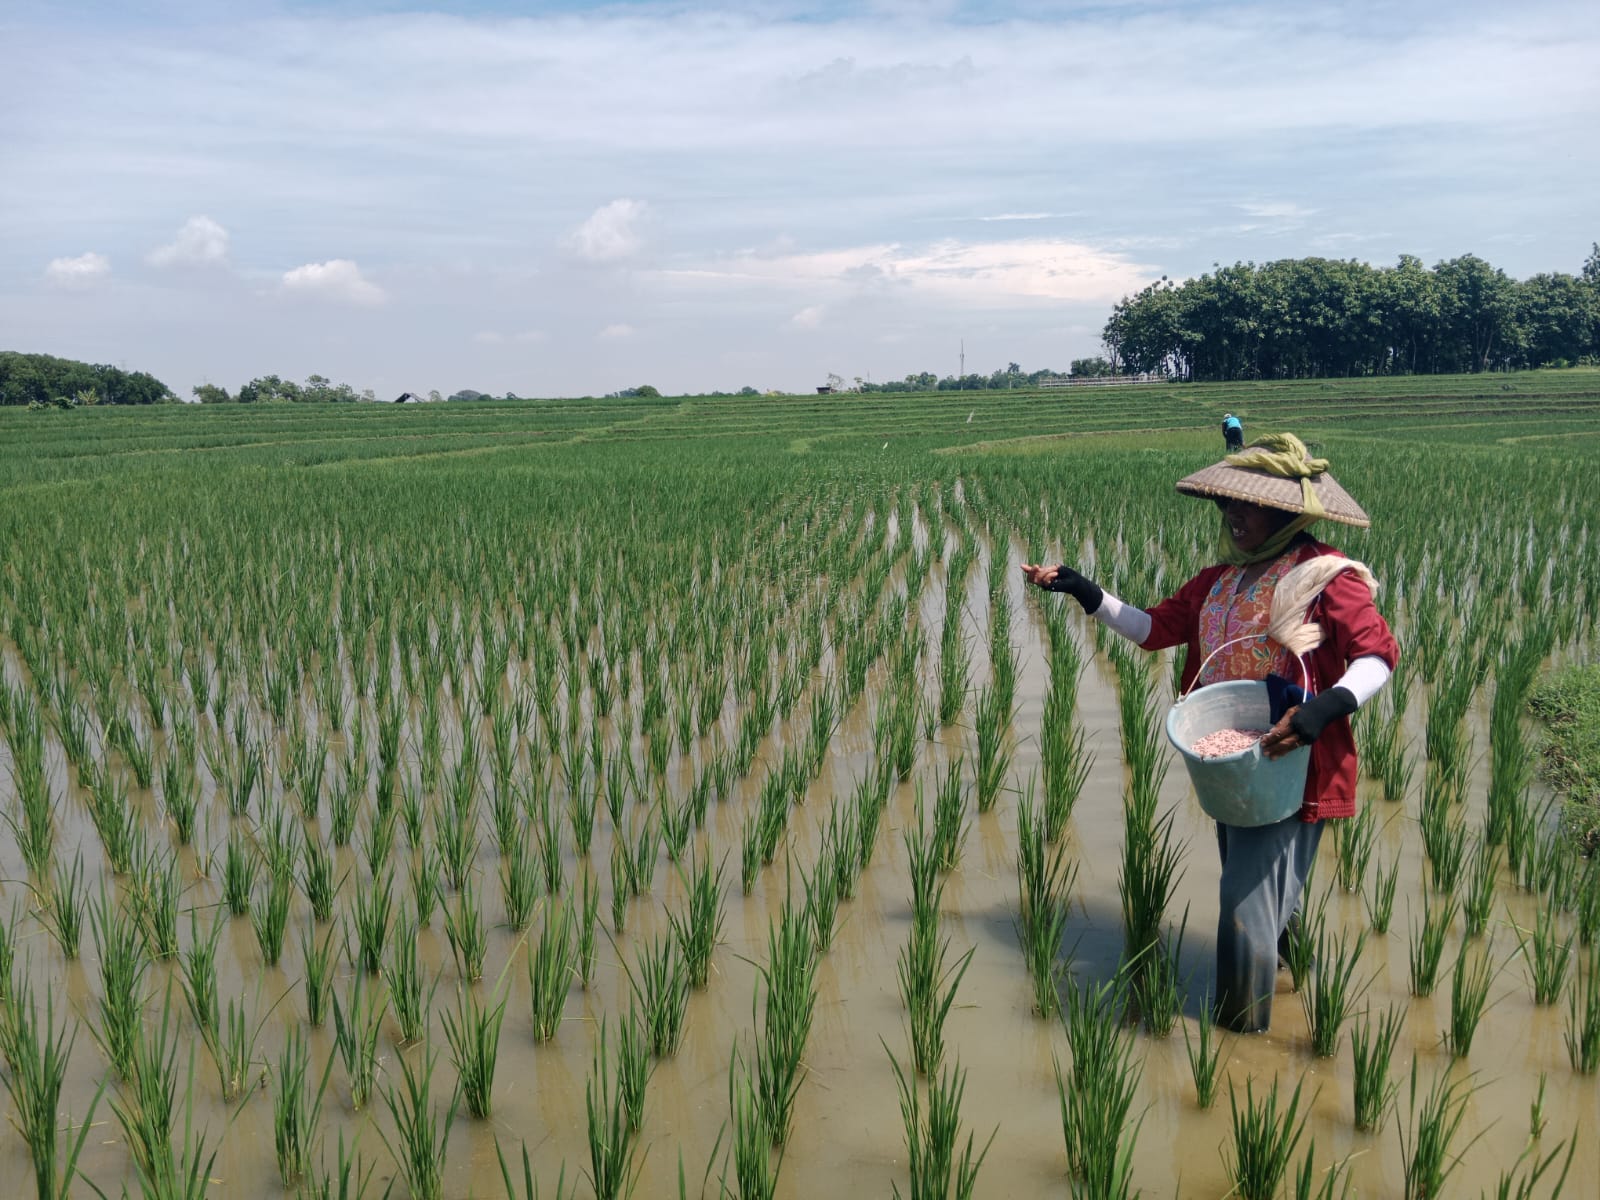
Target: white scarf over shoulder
[[1295, 592]]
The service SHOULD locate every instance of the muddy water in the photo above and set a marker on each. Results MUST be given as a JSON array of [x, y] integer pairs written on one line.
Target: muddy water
[[848, 1137]]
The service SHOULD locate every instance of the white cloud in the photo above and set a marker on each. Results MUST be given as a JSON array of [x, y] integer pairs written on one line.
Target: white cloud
[[1023, 216], [615, 333], [488, 337], [78, 272], [1276, 210], [611, 233], [337, 279], [809, 317], [201, 242]]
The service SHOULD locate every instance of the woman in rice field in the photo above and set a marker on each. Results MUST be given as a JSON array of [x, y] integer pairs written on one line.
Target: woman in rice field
[[1276, 593]]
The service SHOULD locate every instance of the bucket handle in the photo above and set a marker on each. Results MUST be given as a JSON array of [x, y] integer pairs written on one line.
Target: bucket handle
[[1305, 675]]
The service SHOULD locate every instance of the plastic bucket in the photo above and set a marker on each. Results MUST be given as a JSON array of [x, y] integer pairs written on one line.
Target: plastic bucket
[[1246, 788]]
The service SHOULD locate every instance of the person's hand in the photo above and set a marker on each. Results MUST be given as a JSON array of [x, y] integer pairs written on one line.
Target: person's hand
[[1282, 737], [1039, 575]]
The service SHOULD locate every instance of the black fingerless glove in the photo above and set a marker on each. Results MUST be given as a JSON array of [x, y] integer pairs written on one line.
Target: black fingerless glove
[[1085, 591], [1312, 717]]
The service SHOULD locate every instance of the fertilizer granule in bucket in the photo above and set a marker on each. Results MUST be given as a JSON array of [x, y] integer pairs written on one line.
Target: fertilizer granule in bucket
[[1227, 741]]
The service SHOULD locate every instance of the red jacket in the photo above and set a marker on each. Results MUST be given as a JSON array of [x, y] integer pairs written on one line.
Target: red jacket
[[1353, 629]]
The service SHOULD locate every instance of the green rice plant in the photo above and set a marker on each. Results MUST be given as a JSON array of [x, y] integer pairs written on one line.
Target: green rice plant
[[1582, 1031], [1096, 1099], [505, 816], [642, 875], [356, 1030], [1305, 1178], [1147, 879], [550, 964], [317, 879], [154, 897], [147, 1105], [1512, 1185], [949, 816], [344, 806], [1469, 996], [316, 960], [698, 927], [547, 830], [474, 1036], [580, 815], [199, 973], [621, 870], [992, 721], [1155, 990], [790, 982], [842, 837], [1445, 842], [1398, 774], [634, 1066], [1536, 1113], [662, 989], [755, 1170], [1436, 1119], [822, 898], [122, 972], [870, 797], [1065, 762], [1264, 1138], [676, 822], [269, 917], [413, 810], [280, 841], [61, 907], [423, 873], [1587, 903], [1482, 875], [186, 1173], [1427, 945], [931, 1135], [38, 1054], [1355, 840], [749, 853], [1331, 998], [33, 825], [456, 839], [529, 1189], [296, 1110], [370, 917], [115, 820], [612, 1172], [1546, 954], [240, 865], [1205, 1055], [588, 921], [928, 990], [421, 1135], [467, 932], [410, 999], [1379, 896], [519, 884]]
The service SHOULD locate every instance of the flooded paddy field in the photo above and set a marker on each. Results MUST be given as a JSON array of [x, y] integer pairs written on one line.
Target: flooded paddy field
[[541, 699]]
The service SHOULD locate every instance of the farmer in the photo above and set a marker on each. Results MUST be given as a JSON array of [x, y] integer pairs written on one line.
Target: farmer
[[1276, 593], [1232, 433]]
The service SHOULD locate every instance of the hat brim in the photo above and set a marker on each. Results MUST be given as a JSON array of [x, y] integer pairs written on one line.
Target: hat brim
[[1223, 481]]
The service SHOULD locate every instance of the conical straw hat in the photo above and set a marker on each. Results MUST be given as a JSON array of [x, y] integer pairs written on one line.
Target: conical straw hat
[[1224, 481]]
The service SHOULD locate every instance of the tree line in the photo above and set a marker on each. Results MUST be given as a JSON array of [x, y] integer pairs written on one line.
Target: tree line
[[42, 380], [1306, 318]]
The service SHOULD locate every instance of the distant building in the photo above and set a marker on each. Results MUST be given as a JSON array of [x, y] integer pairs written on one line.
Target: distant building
[[410, 398]]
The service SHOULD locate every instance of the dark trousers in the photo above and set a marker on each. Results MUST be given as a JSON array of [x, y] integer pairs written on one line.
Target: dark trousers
[[1264, 870]]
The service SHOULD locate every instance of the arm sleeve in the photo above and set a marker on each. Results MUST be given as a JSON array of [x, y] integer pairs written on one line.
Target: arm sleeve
[[1132, 623], [1364, 677]]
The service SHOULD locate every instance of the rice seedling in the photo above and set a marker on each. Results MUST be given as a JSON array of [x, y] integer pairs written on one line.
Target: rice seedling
[[1096, 1100], [280, 842], [580, 815], [240, 865], [317, 878], [1065, 762], [410, 999], [457, 842], [316, 960], [949, 816], [634, 1065], [370, 917], [698, 927], [928, 989], [356, 1030], [1205, 1055], [1469, 996], [122, 972], [588, 921], [199, 974], [269, 917], [1425, 1149], [38, 1054], [1355, 840], [1482, 875], [612, 1172], [550, 964], [822, 898], [1331, 998], [1445, 842], [186, 1173], [1264, 1139], [519, 884], [754, 1168], [1546, 954], [1149, 874], [1379, 897], [61, 907], [421, 1135], [474, 1036], [296, 1110], [33, 826], [992, 720], [1305, 1179], [1536, 1113], [529, 1189], [790, 982], [642, 873], [931, 1136], [870, 797], [661, 988], [1582, 1031], [1513, 1185], [1155, 993], [115, 820], [621, 869], [427, 888], [467, 932], [1427, 945], [344, 806], [147, 1105]]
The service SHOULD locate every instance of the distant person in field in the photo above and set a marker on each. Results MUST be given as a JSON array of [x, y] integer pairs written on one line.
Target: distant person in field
[[1232, 433], [1277, 599]]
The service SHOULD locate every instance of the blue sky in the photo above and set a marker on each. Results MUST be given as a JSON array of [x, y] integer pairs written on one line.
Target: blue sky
[[569, 199]]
